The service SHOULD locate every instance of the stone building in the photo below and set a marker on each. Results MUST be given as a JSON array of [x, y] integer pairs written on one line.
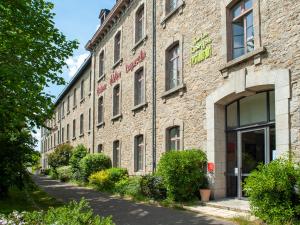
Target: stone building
[[221, 76]]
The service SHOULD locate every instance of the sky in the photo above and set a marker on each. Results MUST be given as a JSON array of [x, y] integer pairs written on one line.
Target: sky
[[76, 19]]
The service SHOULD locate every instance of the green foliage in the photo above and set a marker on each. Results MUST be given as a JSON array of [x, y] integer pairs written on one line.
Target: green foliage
[[105, 180], [130, 186], [46, 172], [64, 173], [152, 186], [183, 172], [60, 156], [92, 163], [53, 174], [79, 152], [73, 213], [271, 191]]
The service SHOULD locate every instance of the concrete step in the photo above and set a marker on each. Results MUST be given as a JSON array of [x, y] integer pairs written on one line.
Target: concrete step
[[230, 204]]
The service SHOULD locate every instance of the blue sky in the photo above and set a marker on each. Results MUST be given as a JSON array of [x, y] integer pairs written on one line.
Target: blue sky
[[77, 19]]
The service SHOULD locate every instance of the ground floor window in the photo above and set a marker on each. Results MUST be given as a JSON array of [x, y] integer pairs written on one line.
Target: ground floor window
[[173, 138], [139, 152], [116, 153]]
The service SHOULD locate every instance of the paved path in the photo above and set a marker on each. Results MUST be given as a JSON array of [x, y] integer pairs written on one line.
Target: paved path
[[124, 212]]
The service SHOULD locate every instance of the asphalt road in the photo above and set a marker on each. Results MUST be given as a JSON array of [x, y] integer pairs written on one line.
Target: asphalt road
[[124, 212]]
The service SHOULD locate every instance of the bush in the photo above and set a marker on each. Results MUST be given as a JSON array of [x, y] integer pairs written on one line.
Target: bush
[[183, 172], [46, 172], [130, 186], [78, 153], [271, 191], [105, 180], [81, 214], [53, 174], [152, 187], [92, 163], [64, 173], [60, 156]]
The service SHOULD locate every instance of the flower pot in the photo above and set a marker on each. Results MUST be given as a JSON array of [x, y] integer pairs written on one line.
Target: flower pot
[[205, 194]]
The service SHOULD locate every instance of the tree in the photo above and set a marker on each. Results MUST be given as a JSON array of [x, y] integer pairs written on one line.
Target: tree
[[32, 55]]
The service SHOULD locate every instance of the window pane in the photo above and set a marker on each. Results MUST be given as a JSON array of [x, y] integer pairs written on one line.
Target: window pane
[[248, 4], [238, 52], [272, 105], [250, 32], [232, 115], [116, 101], [237, 10], [253, 109], [238, 28]]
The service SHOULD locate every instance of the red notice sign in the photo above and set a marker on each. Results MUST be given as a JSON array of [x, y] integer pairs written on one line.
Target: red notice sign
[[210, 167]]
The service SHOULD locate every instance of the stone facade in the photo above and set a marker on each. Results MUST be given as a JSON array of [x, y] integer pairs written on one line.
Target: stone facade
[[197, 104]]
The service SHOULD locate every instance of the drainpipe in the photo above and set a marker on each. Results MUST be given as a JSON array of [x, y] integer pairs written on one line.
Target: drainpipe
[[154, 86]]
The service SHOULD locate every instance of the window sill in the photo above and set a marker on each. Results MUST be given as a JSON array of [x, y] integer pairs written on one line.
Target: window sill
[[180, 88], [179, 9], [119, 62], [140, 42], [140, 106], [89, 94], [101, 78], [81, 135], [99, 125], [74, 107], [74, 138], [243, 58], [117, 117], [82, 100]]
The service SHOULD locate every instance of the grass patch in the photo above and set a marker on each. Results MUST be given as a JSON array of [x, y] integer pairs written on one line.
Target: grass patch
[[29, 199], [245, 221]]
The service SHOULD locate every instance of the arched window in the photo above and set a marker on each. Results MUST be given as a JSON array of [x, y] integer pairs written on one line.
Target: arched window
[[116, 100], [172, 66], [173, 138], [139, 24], [100, 110]]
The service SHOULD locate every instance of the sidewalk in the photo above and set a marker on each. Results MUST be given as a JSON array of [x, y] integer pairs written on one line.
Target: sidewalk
[[125, 212]]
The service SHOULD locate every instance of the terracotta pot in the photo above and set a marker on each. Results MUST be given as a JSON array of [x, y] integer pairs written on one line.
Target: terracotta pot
[[205, 194]]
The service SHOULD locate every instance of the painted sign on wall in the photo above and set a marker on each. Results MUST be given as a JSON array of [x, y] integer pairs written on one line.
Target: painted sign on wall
[[201, 49], [101, 88], [137, 61], [114, 77]]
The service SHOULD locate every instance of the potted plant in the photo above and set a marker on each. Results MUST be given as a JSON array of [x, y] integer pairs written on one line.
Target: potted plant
[[204, 190]]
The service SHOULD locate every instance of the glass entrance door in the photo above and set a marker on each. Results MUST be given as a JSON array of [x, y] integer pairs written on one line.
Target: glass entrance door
[[253, 149]]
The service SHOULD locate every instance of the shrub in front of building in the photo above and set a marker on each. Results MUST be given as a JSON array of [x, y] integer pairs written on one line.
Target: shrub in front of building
[[152, 186], [60, 156], [92, 163], [183, 172], [79, 152], [64, 173], [273, 192], [105, 180], [130, 187]]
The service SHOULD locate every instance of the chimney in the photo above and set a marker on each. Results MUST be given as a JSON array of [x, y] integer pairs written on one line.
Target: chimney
[[103, 14]]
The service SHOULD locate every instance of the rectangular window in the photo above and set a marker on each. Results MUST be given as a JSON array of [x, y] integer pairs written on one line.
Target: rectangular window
[[81, 124], [139, 24], [62, 135], [63, 110], [117, 49], [68, 132], [173, 138], [173, 65], [54, 140], [242, 28], [116, 153], [74, 97], [59, 114], [101, 64], [82, 90], [171, 5], [139, 87], [90, 118], [58, 137], [74, 128], [116, 100], [100, 110], [100, 148], [68, 104], [139, 153]]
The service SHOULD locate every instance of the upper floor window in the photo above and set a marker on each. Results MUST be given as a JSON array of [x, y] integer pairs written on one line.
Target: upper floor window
[[82, 90], [117, 49], [68, 103], [242, 29], [116, 100], [58, 137], [74, 128], [139, 24], [139, 87], [63, 110], [68, 132], [74, 97], [54, 140], [172, 67], [171, 5], [173, 138], [100, 110], [62, 135], [139, 152], [90, 118], [116, 154], [59, 114], [101, 64], [81, 124]]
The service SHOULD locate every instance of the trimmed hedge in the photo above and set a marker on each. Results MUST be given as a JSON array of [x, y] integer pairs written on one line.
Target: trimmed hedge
[[92, 163], [64, 173], [152, 186], [183, 172], [272, 192], [105, 180]]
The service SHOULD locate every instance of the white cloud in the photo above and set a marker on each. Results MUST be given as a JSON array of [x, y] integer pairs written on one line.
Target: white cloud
[[75, 62]]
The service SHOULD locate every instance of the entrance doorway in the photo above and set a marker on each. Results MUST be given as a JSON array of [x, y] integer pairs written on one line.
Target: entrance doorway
[[250, 139]]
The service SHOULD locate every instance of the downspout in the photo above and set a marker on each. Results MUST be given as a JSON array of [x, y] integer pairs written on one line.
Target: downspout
[[154, 86]]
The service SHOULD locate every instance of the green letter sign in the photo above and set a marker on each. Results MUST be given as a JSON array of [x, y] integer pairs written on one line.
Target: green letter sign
[[202, 49]]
